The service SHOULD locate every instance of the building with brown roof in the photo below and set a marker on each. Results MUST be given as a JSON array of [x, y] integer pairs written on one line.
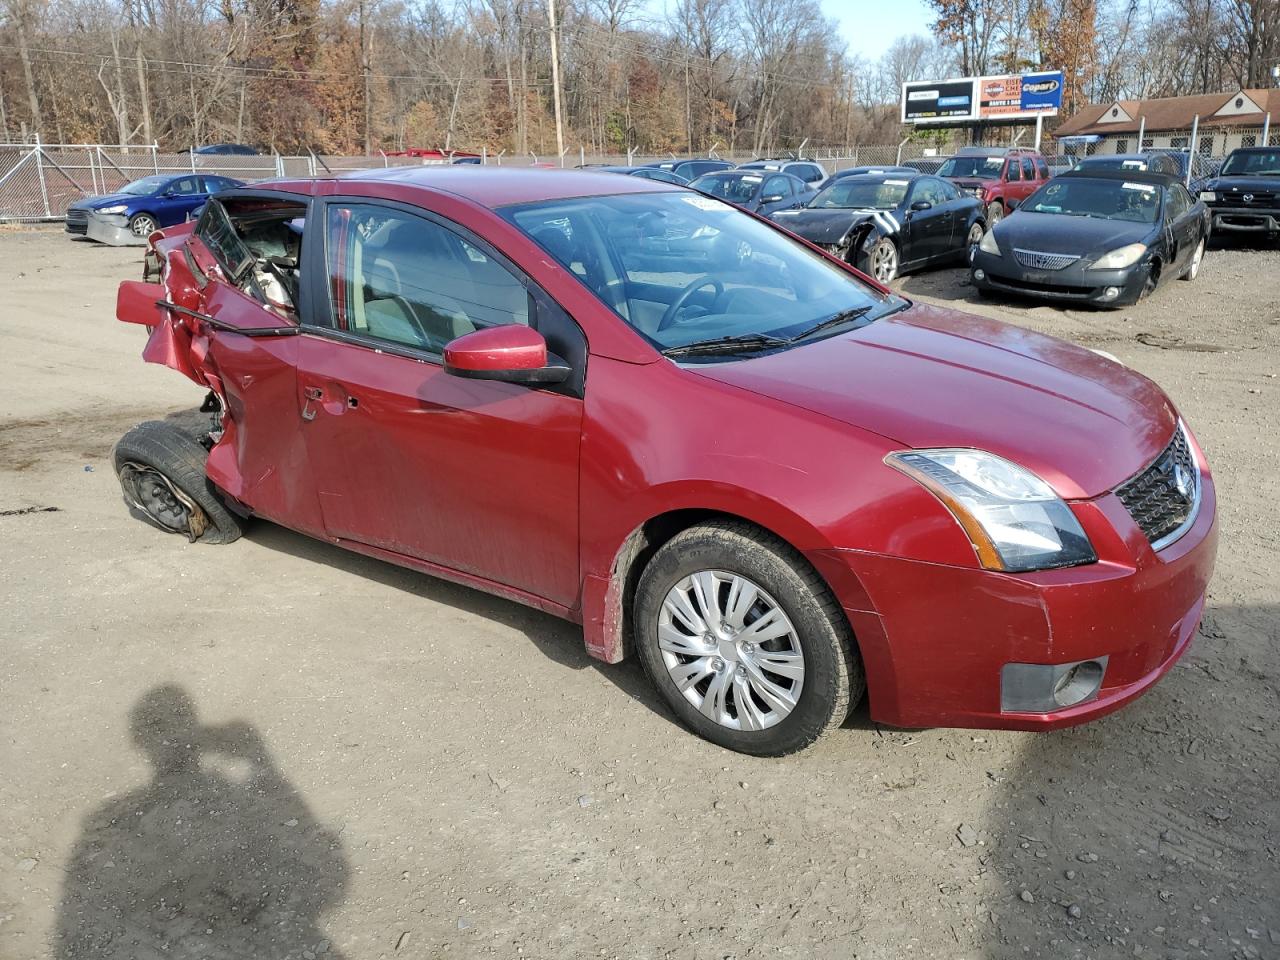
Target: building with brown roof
[[1227, 121]]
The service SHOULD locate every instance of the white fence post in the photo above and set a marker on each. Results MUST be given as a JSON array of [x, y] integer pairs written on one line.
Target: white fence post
[[44, 187], [1192, 148], [155, 156]]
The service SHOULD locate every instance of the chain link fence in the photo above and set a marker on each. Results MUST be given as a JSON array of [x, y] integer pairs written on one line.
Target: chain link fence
[[38, 181]]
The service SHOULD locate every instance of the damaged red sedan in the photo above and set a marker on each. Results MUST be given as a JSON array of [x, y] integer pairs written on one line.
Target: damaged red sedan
[[777, 483]]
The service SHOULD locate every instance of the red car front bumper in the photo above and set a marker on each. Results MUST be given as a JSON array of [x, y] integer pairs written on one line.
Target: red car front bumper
[[934, 638]]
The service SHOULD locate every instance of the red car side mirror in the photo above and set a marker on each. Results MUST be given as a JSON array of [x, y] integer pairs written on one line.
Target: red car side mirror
[[512, 353], [136, 302]]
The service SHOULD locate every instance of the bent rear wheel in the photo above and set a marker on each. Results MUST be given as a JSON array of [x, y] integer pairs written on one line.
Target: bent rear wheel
[[142, 225], [161, 471], [744, 641]]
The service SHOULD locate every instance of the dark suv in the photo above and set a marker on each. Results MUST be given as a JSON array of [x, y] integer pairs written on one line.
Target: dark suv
[[1000, 177], [1244, 196]]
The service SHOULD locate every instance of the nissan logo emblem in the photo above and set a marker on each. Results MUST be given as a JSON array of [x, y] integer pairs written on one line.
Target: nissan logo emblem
[[1182, 480]]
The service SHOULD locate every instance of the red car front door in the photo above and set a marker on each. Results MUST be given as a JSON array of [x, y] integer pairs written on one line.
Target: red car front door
[[476, 475]]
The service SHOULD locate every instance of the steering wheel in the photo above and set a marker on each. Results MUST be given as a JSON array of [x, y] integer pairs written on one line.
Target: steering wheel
[[704, 281]]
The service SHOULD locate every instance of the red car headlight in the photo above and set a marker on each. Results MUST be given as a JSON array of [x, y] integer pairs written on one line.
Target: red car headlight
[[1013, 518]]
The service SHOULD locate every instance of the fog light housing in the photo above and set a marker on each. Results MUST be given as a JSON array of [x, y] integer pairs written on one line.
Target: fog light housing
[[979, 274], [1110, 293], [1046, 687]]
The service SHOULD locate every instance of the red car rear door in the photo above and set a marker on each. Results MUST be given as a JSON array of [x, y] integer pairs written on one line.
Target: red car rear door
[[476, 475]]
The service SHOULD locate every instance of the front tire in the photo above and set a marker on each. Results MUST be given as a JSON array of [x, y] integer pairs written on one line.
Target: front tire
[[142, 225], [744, 641], [995, 213], [882, 261], [160, 466]]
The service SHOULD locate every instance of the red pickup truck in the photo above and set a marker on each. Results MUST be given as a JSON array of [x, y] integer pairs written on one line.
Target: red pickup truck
[[998, 176]]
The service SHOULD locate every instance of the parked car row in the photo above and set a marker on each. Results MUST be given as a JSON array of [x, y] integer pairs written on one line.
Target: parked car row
[[1109, 231]]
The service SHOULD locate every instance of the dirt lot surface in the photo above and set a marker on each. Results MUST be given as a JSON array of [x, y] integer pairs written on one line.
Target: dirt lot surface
[[278, 749]]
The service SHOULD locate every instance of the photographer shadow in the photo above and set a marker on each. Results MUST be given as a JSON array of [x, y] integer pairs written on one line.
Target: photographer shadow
[[217, 856]]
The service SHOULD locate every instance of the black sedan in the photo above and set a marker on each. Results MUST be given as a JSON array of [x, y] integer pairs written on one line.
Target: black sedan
[[758, 191], [1244, 197], [1107, 237], [887, 225]]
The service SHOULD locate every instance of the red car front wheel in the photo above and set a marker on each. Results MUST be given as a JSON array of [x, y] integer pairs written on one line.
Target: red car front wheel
[[744, 641]]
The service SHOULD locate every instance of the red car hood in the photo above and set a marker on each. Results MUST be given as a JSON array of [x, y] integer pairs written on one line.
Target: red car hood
[[929, 377]]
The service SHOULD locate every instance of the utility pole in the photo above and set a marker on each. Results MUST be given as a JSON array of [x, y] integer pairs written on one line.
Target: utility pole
[[364, 71], [555, 78]]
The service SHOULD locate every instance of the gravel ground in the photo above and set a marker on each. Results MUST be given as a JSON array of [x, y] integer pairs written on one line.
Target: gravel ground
[[279, 749]]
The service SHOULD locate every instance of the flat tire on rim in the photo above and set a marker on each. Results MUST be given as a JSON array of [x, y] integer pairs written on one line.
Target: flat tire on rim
[[160, 466], [744, 641]]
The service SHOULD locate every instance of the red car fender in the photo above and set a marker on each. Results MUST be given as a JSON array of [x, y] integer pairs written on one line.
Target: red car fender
[[626, 488]]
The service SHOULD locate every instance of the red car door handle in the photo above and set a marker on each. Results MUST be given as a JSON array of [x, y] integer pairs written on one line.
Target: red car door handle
[[313, 395]]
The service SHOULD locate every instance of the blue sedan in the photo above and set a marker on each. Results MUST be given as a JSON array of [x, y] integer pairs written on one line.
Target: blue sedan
[[139, 208]]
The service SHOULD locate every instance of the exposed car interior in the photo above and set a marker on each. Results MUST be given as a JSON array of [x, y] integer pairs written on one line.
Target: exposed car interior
[[258, 242]]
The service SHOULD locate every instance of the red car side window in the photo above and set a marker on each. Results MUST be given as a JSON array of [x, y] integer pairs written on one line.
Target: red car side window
[[408, 280]]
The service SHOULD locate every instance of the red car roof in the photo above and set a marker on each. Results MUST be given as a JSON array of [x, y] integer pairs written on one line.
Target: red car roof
[[498, 186]]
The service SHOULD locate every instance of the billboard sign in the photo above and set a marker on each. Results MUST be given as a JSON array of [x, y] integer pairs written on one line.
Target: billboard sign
[[1005, 97], [949, 100], [1042, 92]]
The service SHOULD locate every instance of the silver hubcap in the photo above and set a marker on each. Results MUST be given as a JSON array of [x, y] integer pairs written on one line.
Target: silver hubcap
[[1195, 260], [143, 226], [884, 261], [731, 650], [975, 235]]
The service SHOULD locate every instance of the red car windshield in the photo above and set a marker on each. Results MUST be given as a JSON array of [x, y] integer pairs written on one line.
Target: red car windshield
[[683, 268]]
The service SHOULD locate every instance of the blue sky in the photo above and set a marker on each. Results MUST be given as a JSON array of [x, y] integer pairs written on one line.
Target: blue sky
[[868, 26]]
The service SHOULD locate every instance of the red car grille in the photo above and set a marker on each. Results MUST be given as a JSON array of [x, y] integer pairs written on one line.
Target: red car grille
[[1165, 496]]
